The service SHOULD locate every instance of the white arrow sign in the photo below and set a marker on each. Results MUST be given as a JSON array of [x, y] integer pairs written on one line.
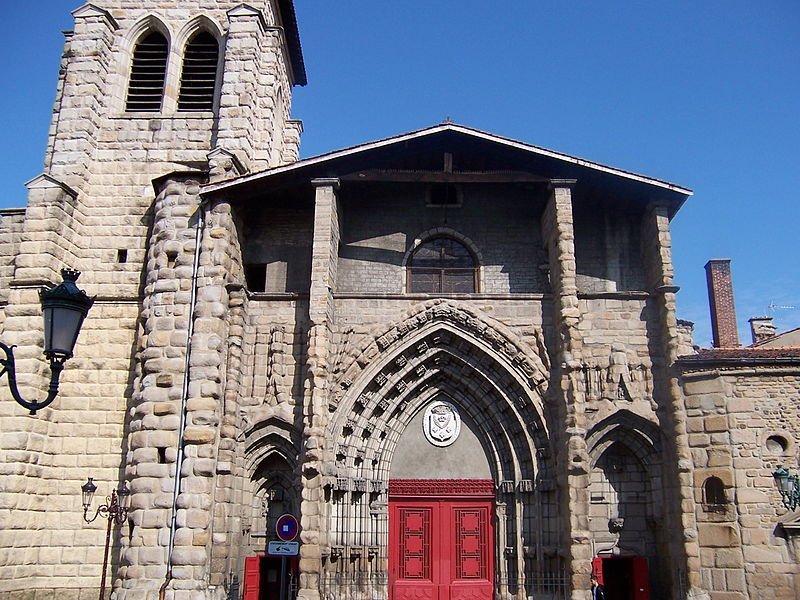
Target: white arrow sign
[[283, 548]]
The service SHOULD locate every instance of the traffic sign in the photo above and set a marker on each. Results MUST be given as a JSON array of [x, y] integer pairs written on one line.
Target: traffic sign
[[283, 548], [286, 527]]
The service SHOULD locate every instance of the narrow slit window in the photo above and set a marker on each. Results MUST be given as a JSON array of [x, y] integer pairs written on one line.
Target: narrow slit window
[[199, 75], [714, 495], [442, 265], [148, 74]]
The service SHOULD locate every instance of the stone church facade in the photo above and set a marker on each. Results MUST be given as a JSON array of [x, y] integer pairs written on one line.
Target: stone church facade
[[455, 357]]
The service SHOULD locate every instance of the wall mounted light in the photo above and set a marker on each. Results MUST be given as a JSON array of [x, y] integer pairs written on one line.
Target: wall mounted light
[[64, 308], [789, 487]]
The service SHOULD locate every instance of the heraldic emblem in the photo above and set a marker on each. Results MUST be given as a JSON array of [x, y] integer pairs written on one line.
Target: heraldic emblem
[[441, 423]]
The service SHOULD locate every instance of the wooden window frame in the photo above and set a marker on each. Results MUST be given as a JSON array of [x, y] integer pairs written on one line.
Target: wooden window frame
[[441, 272]]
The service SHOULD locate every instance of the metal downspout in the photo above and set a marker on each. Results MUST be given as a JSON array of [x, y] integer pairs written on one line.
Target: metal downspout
[[199, 228]]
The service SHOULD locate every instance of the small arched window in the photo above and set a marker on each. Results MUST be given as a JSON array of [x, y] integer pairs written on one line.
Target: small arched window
[[442, 266], [714, 495], [148, 74], [199, 75]]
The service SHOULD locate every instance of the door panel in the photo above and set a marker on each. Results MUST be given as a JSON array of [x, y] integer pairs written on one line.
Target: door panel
[[441, 549], [252, 578], [641, 579]]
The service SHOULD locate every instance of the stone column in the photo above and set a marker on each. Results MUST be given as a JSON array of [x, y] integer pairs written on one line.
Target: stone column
[[291, 141], [572, 459], [671, 407], [324, 258], [154, 436], [176, 408]]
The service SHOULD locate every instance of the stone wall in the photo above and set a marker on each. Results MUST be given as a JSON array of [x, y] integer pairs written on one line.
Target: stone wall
[[499, 223], [93, 209], [11, 225], [608, 247], [743, 424]]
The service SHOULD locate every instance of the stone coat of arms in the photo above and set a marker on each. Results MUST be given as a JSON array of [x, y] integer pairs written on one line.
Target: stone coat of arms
[[441, 423]]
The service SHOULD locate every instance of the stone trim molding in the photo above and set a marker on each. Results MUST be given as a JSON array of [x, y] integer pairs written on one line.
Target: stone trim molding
[[532, 368], [441, 487]]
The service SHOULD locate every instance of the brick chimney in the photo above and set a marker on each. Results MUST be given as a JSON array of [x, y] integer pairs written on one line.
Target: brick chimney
[[720, 298], [762, 329]]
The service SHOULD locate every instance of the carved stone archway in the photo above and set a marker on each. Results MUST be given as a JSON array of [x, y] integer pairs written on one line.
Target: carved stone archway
[[499, 382]]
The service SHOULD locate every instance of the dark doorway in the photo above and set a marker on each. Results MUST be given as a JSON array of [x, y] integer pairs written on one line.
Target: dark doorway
[[262, 578], [623, 577], [617, 577]]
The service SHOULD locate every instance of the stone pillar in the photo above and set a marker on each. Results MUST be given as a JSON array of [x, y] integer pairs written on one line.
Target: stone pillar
[[679, 492], [324, 258], [48, 240], [291, 141], [176, 413], [230, 472], [254, 71], [86, 72], [572, 459]]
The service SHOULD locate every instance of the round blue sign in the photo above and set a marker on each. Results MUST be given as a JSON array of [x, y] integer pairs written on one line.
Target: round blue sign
[[286, 527]]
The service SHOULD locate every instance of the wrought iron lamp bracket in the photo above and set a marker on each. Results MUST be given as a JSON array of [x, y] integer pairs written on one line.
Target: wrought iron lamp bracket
[[9, 367], [111, 510]]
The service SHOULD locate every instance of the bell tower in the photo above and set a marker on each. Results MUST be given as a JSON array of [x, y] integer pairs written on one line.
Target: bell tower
[[202, 88], [150, 88]]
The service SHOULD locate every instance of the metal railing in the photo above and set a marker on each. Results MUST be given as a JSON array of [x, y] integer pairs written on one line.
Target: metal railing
[[375, 586]]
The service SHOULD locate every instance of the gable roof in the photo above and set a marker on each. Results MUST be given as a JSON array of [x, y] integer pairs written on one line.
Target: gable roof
[[787, 338], [323, 164]]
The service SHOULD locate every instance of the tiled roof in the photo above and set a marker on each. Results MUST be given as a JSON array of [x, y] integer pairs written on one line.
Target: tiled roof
[[741, 356]]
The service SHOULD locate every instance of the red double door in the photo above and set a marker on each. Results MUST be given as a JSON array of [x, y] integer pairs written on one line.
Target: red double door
[[441, 547]]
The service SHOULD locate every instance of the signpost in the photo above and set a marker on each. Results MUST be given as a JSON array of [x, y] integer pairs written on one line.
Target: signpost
[[286, 528], [283, 548]]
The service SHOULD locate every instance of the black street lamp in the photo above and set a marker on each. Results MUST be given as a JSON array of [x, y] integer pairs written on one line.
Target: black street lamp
[[115, 510], [788, 486], [64, 307]]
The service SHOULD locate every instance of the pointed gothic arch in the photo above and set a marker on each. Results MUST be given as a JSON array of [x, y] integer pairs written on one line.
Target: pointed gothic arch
[[131, 68], [200, 44], [442, 347], [638, 434]]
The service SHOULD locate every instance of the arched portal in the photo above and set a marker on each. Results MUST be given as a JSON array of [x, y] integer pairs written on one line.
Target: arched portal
[[626, 507], [380, 429]]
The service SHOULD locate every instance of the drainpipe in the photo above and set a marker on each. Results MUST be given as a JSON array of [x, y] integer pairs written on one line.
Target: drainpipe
[[198, 234]]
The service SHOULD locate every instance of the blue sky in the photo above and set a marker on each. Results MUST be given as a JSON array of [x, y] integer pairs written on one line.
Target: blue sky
[[704, 94]]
